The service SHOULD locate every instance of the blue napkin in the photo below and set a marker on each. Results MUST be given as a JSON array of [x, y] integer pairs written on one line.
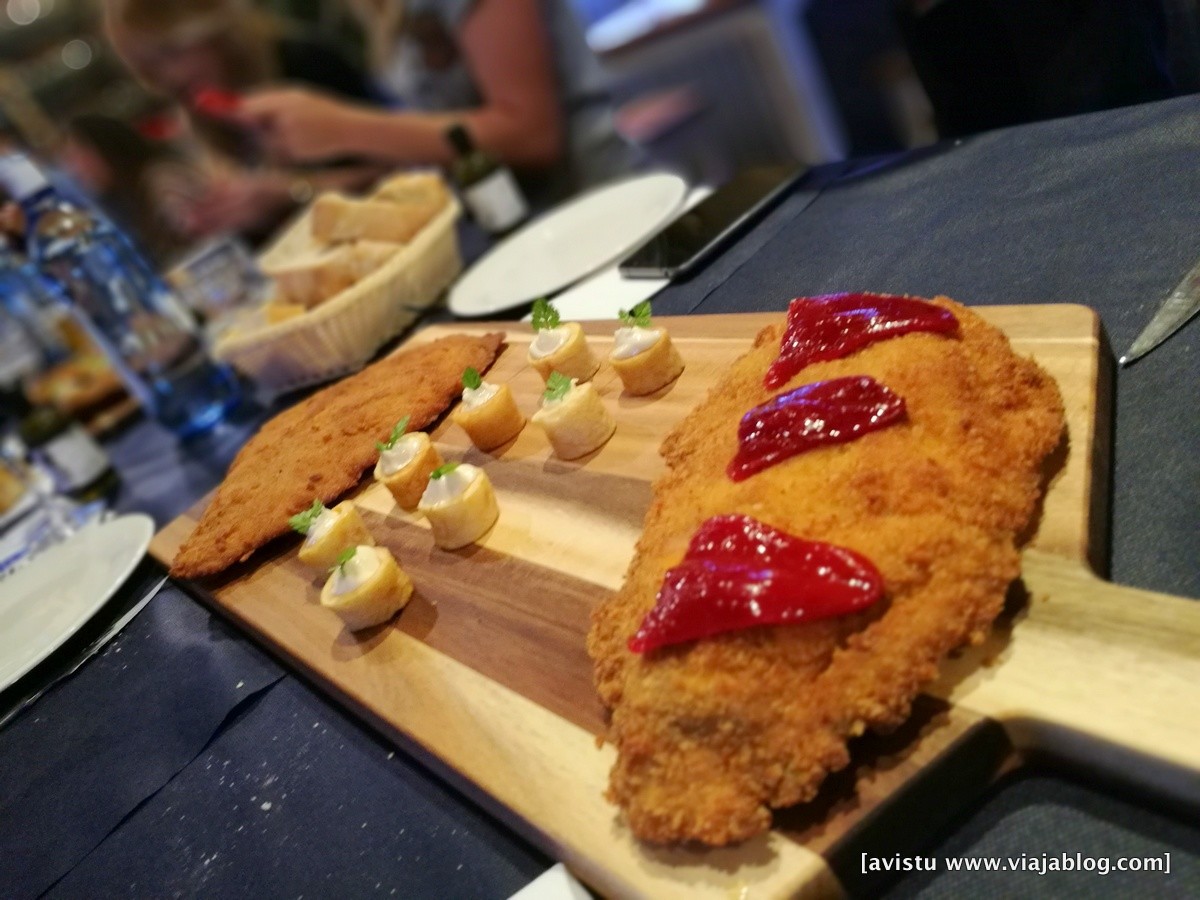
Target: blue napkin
[[296, 799], [75, 764]]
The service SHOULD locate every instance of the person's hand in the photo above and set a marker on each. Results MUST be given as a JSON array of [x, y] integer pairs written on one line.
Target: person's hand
[[235, 201], [295, 125]]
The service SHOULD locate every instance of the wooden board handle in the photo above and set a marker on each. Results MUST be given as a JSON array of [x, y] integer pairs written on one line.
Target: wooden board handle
[[1105, 676]]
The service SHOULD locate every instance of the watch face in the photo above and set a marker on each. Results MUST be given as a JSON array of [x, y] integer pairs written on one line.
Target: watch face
[[301, 191]]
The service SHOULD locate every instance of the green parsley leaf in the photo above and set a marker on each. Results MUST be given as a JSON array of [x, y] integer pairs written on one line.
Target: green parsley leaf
[[471, 378], [342, 558], [557, 386], [638, 317], [397, 432], [443, 470], [302, 521], [544, 315]]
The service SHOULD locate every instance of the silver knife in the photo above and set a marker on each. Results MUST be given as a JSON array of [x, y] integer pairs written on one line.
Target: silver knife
[[1181, 305]]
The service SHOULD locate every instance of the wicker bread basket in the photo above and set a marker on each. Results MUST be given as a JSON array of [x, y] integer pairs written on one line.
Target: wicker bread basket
[[343, 333]]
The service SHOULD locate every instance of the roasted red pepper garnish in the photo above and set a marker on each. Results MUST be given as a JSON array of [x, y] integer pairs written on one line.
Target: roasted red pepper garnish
[[827, 412], [833, 326], [739, 572]]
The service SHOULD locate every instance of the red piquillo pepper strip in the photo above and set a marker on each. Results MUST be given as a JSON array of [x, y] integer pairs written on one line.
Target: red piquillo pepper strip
[[812, 416], [739, 572], [836, 325]]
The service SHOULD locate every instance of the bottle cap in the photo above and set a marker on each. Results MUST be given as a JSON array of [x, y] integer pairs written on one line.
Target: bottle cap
[[20, 176]]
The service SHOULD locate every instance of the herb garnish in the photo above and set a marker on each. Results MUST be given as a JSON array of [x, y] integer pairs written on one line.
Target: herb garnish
[[638, 317], [443, 470], [397, 432], [303, 521], [471, 378], [544, 315], [342, 558], [557, 386]]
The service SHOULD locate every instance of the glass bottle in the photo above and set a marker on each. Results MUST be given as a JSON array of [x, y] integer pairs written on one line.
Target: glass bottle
[[26, 300], [487, 188], [80, 467], [120, 302]]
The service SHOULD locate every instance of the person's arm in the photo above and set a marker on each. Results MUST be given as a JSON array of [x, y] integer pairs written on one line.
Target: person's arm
[[507, 50]]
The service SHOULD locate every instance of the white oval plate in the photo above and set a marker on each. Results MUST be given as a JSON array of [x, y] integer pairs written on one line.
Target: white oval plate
[[566, 244], [52, 596]]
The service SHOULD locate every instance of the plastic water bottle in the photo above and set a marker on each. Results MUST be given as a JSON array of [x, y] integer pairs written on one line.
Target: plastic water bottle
[[108, 287], [25, 299]]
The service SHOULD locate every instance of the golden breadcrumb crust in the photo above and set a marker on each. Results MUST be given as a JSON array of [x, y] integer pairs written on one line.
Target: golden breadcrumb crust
[[713, 734], [322, 446]]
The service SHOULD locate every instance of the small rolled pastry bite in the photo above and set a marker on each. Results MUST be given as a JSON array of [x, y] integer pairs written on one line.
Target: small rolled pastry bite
[[366, 586], [573, 417], [488, 413], [327, 532], [643, 357], [405, 461], [459, 504], [559, 348]]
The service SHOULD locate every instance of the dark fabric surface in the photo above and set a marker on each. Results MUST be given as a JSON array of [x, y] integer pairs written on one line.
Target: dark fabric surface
[[988, 63], [86, 754], [1102, 210], [59, 664], [1031, 815], [295, 799], [309, 60], [162, 477]]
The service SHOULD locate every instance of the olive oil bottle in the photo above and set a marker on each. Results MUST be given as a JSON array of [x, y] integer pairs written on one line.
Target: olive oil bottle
[[487, 188]]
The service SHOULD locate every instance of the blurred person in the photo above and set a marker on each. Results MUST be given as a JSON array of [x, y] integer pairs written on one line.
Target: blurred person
[[131, 178], [12, 222], [516, 73], [205, 54]]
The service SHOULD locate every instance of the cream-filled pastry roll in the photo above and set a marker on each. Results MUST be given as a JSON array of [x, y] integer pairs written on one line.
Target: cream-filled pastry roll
[[366, 587], [404, 467], [327, 532], [559, 348], [645, 359], [460, 505], [573, 417], [488, 412]]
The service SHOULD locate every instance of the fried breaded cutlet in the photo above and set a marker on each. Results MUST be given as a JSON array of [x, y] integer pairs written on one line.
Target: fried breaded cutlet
[[322, 446], [713, 734]]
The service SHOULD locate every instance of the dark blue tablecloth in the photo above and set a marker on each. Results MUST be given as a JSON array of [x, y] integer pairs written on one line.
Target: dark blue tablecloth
[[182, 761], [1102, 210]]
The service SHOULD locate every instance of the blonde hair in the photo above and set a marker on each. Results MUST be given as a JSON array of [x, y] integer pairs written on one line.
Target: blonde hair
[[243, 34], [381, 22]]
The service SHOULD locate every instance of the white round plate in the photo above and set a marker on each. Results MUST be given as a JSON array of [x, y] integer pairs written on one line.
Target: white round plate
[[562, 246], [52, 596]]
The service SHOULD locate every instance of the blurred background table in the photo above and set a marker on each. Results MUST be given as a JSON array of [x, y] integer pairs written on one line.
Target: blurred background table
[[184, 761]]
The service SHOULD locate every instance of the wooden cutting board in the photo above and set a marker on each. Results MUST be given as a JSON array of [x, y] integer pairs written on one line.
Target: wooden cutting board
[[485, 676]]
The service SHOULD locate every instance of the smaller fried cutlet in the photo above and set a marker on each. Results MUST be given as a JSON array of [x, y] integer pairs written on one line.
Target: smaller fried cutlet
[[322, 446]]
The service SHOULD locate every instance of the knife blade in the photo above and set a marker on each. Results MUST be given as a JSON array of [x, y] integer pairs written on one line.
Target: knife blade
[[1180, 305]]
